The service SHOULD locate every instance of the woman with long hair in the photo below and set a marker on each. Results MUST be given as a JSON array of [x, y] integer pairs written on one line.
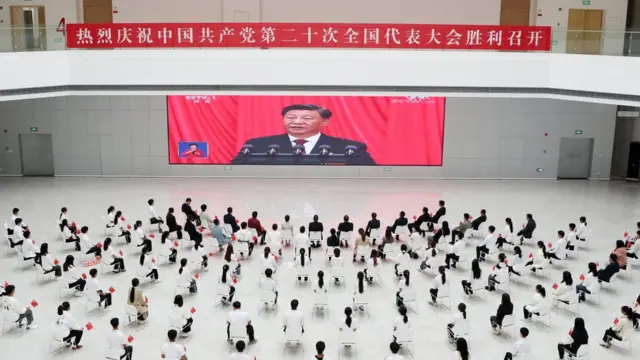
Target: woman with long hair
[[180, 316], [443, 232], [438, 283], [517, 263], [145, 242], [67, 323], [72, 276], [320, 291], [578, 336], [362, 242], [499, 274], [564, 291], [348, 326], [302, 265], [373, 266], [113, 258], [402, 261], [539, 304], [403, 286], [68, 235], [459, 325], [268, 260], [226, 285], [168, 248], [475, 277], [504, 238], [401, 325], [505, 308], [540, 259], [149, 266], [184, 277], [589, 283], [11, 304], [621, 328], [119, 225], [359, 296], [46, 261], [231, 260], [138, 300]]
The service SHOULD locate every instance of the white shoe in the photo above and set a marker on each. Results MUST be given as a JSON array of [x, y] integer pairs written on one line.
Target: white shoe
[[32, 327], [77, 293], [157, 281]]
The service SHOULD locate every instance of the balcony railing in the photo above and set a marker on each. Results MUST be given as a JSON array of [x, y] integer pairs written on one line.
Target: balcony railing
[[606, 42]]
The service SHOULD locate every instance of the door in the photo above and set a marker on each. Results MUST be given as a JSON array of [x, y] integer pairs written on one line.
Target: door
[[36, 152], [574, 161], [29, 31], [515, 12], [97, 11], [584, 31], [633, 166]]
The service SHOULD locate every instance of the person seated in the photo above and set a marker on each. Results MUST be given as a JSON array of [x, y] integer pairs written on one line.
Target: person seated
[[345, 227], [486, 245], [578, 336], [336, 266], [402, 261], [459, 231], [70, 327], [185, 280], [517, 262], [621, 254], [347, 327], [459, 325], [581, 232], [360, 292], [404, 288], [522, 346], [138, 300], [431, 260], [119, 225], [181, 316], [286, 228], [95, 293], [401, 221], [611, 269], [475, 277], [454, 253], [47, 263], [274, 240], [190, 213], [87, 246], [373, 266], [73, 276], [194, 234], [269, 260], [559, 250], [589, 283], [168, 248], [506, 237], [301, 241], [362, 242], [505, 308], [269, 285], [540, 260], [219, 234], [244, 236], [475, 225], [621, 328], [148, 266], [442, 211], [539, 304], [500, 274], [255, 224], [112, 257], [572, 237], [374, 223], [633, 249], [302, 265], [333, 240], [172, 224], [29, 248], [293, 320], [12, 305], [63, 216], [564, 291], [153, 216], [117, 340], [240, 322], [527, 231], [438, 283], [316, 226], [172, 350], [320, 346], [443, 232], [226, 289], [205, 219], [229, 219], [422, 219]]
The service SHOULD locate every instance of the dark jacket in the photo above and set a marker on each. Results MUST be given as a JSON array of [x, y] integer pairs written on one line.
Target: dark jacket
[[503, 310], [606, 273], [440, 233], [316, 226], [442, 211], [186, 209], [399, 222], [421, 219], [475, 224], [372, 224], [345, 226], [333, 241], [579, 339], [172, 224], [231, 220], [528, 229]]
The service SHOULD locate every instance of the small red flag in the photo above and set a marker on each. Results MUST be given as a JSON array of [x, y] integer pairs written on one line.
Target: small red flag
[[570, 332], [506, 261], [56, 262], [523, 226], [582, 277], [216, 217], [626, 234], [34, 303], [233, 237], [415, 217], [193, 310], [470, 217], [235, 280], [196, 276], [78, 232], [130, 339], [201, 228], [237, 221], [99, 245], [500, 235], [121, 253], [494, 268], [73, 224], [276, 258], [554, 286], [176, 244], [210, 254], [89, 326], [112, 290], [530, 255], [629, 245], [129, 226], [146, 300], [153, 260], [597, 265], [255, 239], [152, 236], [460, 223], [616, 321], [431, 214], [549, 244], [84, 275], [122, 218], [6, 284]]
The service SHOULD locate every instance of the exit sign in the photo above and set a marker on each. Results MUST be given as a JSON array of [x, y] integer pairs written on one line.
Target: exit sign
[[586, 2], [579, 132], [539, 170], [33, 129]]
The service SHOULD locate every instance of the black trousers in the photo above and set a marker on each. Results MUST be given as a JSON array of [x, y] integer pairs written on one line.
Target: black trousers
[[250, 332], [106, 298], [610, 333], [56, 269], [128, 353], [232, 291], [186, 328], [119, 263], [434, 294], [74, 334], [72, 239], [527, 313], [146, 243], [561, 349], [156, 221], [126, 235], [500, 242], [95, 250], [173, 257], [552, 255], [153, 274], [78, 284], [632, 255], [481, 250], [449, 257]]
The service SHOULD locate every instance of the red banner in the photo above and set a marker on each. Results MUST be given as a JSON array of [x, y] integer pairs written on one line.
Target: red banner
[[320, 35]]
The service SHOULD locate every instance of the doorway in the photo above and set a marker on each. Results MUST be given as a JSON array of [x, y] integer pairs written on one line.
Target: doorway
[[584, 31], [574, 160], [97, 11], [515, 12], [28, 26], [36, 152], [633, 165]]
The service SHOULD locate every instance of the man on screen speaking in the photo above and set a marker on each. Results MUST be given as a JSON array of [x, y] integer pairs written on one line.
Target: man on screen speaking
[[303, 140]]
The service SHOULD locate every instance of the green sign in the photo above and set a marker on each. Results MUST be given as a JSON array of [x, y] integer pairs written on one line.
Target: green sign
[[387, 169], [579, 132], [586, 2], [227, 168], [539, 170], [33, 129], [57, 40], [554, 42]]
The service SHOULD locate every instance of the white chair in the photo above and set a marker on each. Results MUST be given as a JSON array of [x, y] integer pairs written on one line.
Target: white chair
[[389, 250], [375, 235], [503, 280], [267, 301], [237, 333], [582, 353], [402, 232], [316, 236], [320, 302], [239, 248], [625, 343], [363, 252], [7, 320], [586, 234], [287, 235], [41, 274], [626, 272], [543, 313], [347, 344], [406, 342], [543, 271], [91, 299], [507, 326], [337, 272], [573, 304], [63, 288], [410, 299], [113, 353], [612, 282], [464, 259], [293, 338], [131, 314], [345, 236], [595, 294], [57, 338], [108, 229], [444, 294]]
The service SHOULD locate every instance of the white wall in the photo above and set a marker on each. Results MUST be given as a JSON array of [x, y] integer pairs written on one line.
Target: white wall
[[484, 138], [555, 13], [54, 11]]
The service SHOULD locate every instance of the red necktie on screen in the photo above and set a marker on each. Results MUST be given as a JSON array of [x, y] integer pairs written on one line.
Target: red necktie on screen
[[301, 142]]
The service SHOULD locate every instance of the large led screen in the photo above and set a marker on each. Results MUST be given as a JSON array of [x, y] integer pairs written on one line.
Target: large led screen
[[306, 130]]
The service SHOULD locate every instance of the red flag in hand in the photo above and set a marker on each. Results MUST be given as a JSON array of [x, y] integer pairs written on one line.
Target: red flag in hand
[[176, 244], [459, 222], [597, 265], [89, 326], [146, 300], [153, 260], [201, 229], [210, 254], [570, 332], [470, 217], [626, 234], [122, 218], [235, 280], [506, 261], [193, 310], [237, 221], [255, 239], [130, 339], [121, 253], [616, 321], [216, 217], [494, 268], [276, 258], [523, 226], [629, 245], [233, 237], [73, 224], [56, 262], [500, 235], [112, 290], [78, 232], [34, 303], [530, 255], [6, 284], [554, 286], [99, 245], [582, 277], [84, 275], [415, 217], [196, 276], [129, 227], [549, 244], [152, 236]]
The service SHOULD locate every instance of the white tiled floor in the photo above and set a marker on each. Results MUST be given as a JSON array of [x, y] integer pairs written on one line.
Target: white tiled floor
[[611, 208]]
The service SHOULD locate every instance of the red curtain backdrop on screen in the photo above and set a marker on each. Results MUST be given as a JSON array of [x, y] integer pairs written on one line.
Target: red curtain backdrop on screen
[[396, 130]]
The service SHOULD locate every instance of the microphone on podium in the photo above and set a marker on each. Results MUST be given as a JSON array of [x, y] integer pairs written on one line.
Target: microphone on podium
[[246, 149], [350, 149], [325, 149], [273, 149], [298, 149]]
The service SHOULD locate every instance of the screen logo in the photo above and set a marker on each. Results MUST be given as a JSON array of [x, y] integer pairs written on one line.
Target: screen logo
[[416, 99], [196, 99]]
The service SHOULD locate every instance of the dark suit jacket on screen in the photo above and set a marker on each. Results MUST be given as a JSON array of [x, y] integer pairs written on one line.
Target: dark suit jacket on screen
[[261, 145]]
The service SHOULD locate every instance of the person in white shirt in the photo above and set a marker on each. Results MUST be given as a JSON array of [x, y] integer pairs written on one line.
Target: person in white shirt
[[336, 266], [225, 283], [402, 261], [401, 325], [29, 248], [403, 286], [287, 230], [559, 250], [301, 241], [621, 328], [302, 265], [581, 233], [111, 216], [70, 326], [320, 347], [240, 355], [239, 320], [87, 245], [431, 260], [244, 236], [438, 283], [185, 278], [589, 283], [46, 261], [11, 305], [572, 237], [112, 257], [145, 242], [633, 249], [153, 216], [540, 260], [94, 291], [269, 260], [517, 262], [486, 244], [179, 316], [72, 275], [359, 293], [475, 277], [63, 216], [11, 223], [68, 235], [205, 219], [17, 234], [454, 252], [564, 292], [395, 348], [149, 266], [293, 319], [522, 346], [268, 284], [499, 275], [507, 236], [117, 342], [274, 240], [348, 326], [459, 325], [320, 291], [538, 305], [172, 350], [118, 223], [168, 247]]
